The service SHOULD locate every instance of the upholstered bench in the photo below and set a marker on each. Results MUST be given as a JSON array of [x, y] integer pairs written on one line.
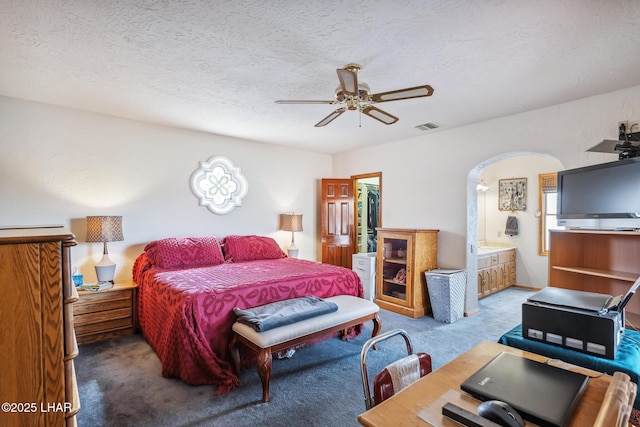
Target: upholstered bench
[[351, 311]]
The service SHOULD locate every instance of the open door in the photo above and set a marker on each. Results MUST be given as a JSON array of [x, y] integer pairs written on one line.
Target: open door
[[351, 211], [338, 232]]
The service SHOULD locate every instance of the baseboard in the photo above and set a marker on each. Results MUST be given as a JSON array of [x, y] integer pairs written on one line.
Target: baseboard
[[471, 313], [529, 288]]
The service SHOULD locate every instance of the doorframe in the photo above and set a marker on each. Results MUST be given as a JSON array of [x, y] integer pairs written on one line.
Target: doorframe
[[354, 181], [471, 306]]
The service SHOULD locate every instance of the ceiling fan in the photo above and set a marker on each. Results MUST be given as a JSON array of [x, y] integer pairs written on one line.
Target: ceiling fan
[[627, 145], [355, 95]]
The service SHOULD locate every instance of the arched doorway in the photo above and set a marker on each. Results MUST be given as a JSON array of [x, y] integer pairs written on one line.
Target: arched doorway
[[516, 164]]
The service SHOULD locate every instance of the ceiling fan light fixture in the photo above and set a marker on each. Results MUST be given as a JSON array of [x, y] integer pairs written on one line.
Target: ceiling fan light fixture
[[363, 90], [363, 95]]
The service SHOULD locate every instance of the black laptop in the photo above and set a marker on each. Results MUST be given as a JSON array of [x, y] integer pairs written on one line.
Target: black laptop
[[544, 394]]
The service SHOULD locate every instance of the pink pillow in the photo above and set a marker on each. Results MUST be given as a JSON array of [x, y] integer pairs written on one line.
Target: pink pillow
[[180, 252], [249, 248]]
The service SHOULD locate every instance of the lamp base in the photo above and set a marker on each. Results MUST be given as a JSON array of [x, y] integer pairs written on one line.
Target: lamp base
[[105, 273], [293, 253], [105, 269]]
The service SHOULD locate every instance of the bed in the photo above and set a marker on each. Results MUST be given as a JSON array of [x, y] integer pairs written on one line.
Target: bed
[[188, 288]]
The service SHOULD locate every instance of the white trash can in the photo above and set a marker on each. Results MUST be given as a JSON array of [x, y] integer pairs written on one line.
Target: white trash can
[[446, 293]]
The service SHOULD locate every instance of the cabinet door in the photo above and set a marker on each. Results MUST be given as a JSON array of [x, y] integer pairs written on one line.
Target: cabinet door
[[481, 284], [485, 281], [501, 279], [493, 279], [511, 273], [394, 270]]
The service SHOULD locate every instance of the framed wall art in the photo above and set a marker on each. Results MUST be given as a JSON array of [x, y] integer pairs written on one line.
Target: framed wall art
[[219, 185], [512, 194]]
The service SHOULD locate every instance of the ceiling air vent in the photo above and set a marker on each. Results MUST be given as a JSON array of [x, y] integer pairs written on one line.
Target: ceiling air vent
[[427, 126]]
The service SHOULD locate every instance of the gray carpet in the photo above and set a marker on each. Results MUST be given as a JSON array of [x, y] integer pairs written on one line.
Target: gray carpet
[[120, 380]]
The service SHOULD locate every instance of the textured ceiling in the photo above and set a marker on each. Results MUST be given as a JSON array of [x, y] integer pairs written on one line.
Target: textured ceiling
[[217, 66]]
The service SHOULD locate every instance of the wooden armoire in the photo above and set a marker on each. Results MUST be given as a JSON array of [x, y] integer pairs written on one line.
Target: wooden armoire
[[37, 340]]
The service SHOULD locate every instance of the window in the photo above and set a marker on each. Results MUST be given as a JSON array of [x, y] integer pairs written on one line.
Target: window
[[548, 197]]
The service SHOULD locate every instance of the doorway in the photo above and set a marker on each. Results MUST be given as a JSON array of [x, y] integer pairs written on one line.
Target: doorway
[[368, 211], [351, 212], [486, 223]]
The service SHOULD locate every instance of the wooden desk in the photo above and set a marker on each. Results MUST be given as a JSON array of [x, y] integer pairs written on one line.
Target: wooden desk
[[428, 394]]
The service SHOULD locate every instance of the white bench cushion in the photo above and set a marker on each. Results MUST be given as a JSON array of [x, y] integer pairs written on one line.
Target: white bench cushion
[[349, 308]]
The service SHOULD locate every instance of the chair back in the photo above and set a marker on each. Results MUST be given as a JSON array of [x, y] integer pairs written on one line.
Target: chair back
[[393, 377], [399, 375]]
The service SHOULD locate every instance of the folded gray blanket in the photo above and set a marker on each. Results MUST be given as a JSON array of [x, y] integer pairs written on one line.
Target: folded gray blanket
[[280, 313]]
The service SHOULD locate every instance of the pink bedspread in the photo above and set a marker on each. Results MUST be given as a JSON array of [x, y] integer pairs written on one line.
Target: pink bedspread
[[186, 314]]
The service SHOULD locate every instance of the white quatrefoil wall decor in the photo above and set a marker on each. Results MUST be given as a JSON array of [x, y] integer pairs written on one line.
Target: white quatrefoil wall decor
[[219, 185]]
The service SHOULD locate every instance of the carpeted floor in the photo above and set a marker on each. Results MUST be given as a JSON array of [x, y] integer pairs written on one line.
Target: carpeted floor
[[120, 380]]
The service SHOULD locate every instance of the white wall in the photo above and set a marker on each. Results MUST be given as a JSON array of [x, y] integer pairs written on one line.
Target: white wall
[[59, 165], [427, 180]]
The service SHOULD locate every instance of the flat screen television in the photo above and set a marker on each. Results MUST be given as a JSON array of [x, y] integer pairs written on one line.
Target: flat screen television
[[604, 196]]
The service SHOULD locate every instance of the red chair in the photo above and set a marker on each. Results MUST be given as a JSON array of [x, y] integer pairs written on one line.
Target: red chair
[[397, 375]]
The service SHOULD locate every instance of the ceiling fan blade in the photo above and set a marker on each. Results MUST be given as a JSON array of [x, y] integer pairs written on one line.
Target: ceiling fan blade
[[348, 81], [300, 101], [330, 117], [379, 115], [408, 93]]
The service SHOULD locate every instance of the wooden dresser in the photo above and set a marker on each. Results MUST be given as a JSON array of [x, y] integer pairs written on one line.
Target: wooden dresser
[[37, 340]]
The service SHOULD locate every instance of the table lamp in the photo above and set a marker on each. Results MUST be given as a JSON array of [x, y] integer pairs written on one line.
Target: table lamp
[[291, 222], [105, 229]]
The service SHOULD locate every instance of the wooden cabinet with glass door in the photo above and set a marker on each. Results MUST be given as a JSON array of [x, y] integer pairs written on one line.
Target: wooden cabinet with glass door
[[403, 257]]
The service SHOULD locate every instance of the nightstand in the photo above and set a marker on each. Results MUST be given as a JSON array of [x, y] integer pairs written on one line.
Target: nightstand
[[100, 315]]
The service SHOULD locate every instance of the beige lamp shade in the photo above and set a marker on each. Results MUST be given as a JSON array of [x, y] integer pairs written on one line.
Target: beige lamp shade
[[291, 222], [105, 229]]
